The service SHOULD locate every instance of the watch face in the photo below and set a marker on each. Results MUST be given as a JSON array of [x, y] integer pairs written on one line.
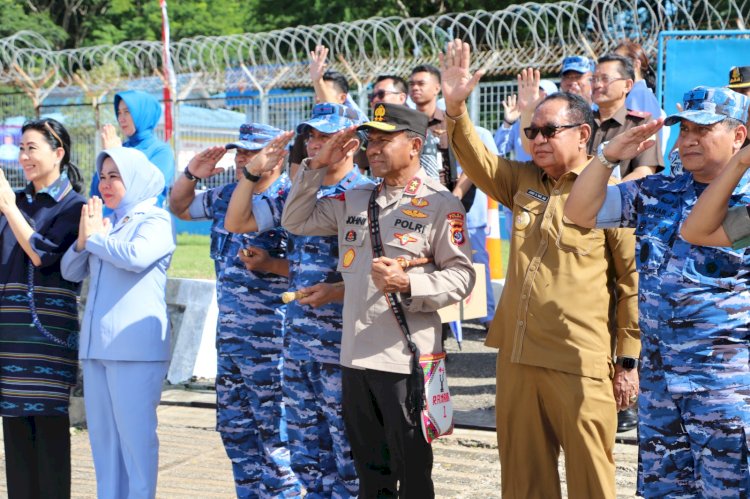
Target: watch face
[[628, 363]]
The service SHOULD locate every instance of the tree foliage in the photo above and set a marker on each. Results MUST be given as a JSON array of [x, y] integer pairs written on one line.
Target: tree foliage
[[76, 23]]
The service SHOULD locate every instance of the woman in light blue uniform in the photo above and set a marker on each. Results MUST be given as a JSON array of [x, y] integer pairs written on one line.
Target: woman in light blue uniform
[[124, 344]]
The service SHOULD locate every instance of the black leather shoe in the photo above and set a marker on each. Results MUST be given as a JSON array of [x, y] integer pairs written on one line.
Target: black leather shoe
[[627, 419]]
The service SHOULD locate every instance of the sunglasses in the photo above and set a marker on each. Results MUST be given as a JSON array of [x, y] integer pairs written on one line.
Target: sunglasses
[[547, 131], [380, 94]]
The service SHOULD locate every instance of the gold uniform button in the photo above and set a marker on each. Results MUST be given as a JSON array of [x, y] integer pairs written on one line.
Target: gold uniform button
[[522, 220]]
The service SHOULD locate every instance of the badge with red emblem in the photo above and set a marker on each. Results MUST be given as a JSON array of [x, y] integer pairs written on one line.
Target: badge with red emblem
[[456, 226], [405, 239], [351, 236]]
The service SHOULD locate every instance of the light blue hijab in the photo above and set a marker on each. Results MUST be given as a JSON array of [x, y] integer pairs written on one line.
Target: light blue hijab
[[143, 180]]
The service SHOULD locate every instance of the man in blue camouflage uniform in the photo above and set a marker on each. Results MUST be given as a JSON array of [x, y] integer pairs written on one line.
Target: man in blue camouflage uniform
[[320, 450], [694, 303], [249, 339]]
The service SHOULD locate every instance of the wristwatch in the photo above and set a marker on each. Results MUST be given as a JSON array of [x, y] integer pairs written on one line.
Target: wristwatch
[[250, 176], [602, 159], [190, 176], [627, 363]]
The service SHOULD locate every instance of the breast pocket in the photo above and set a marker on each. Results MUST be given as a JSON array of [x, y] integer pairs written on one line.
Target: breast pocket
[[578, 240], [351, 241], [527, 214], [654, 235], [721, 268]]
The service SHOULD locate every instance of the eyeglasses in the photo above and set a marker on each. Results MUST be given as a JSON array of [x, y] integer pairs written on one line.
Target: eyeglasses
[[604, 80], [380, 94], [547, 131]]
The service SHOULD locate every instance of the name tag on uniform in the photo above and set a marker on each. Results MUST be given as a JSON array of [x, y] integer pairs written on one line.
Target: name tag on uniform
[[537, 195]]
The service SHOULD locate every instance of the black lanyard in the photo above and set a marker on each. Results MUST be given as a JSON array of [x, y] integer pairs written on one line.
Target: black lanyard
[[415, 387]]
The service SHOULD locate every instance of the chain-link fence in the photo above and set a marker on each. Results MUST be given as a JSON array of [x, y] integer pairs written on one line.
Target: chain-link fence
[[199, 123]]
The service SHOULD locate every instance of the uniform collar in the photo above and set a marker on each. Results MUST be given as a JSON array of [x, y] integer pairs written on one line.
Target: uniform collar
[[619, 116], [57, 190], [415, 187]]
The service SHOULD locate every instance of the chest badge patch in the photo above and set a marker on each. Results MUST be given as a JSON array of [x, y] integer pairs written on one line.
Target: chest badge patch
[[348, 258], [412, 186], [414, 213], [419, 202], [522, 220], [351, 236], [405, 239]]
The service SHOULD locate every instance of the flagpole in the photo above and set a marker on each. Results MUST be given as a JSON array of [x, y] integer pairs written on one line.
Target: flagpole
[[170, 81]]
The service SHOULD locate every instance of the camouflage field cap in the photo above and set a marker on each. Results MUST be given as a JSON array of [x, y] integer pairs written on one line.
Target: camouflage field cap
[[328, 117], [709, 105], [577, 63], [254, 136]]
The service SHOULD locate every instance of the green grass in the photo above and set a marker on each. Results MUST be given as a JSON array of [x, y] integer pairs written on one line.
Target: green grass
[[190, 259]]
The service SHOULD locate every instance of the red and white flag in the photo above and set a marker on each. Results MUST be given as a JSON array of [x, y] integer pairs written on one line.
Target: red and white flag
[[170, 82]]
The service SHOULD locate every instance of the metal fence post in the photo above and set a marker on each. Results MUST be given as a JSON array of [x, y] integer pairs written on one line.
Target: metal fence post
[[474, 106]]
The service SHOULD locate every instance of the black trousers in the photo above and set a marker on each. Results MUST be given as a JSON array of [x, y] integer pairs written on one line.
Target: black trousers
[[390, 453], [37, 457]]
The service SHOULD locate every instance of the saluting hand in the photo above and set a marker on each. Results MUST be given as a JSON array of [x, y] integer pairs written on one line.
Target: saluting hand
[[271, 156], [630, 144], [340, 145], [389, 276], [203, 164]]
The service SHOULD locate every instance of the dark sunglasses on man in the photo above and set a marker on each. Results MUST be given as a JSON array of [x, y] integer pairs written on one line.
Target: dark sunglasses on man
[[380, 94], [547, 131]]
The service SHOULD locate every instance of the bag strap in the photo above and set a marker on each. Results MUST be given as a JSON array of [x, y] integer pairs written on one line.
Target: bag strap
[[415, 390]]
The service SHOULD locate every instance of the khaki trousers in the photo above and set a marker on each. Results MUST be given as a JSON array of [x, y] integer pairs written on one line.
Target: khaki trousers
[[540, 410]]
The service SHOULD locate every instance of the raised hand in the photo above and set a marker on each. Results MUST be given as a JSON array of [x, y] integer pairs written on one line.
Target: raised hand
[[457, 80], [318, 64], [203, 164], [109, 137], [340, 145], [7, 196], [630, 144], [271, 155], [528, 90], [511, 113]]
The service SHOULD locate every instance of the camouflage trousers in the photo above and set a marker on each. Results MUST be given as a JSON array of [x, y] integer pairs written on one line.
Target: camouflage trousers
[[694, 444], [250, 420], [320, 451]]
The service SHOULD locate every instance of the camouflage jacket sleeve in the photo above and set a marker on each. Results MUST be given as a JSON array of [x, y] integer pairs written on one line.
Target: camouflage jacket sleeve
[[304, 214]]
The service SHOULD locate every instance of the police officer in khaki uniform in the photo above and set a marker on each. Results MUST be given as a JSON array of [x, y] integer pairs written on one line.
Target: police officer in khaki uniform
[[426, 265], [557, 382], [612, 80]]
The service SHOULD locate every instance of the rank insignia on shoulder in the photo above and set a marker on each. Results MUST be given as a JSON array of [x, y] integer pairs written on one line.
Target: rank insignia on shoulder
[[419, 202], [414, 213], [405, 239], [341, 196], [412, 186], [348, 258]]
